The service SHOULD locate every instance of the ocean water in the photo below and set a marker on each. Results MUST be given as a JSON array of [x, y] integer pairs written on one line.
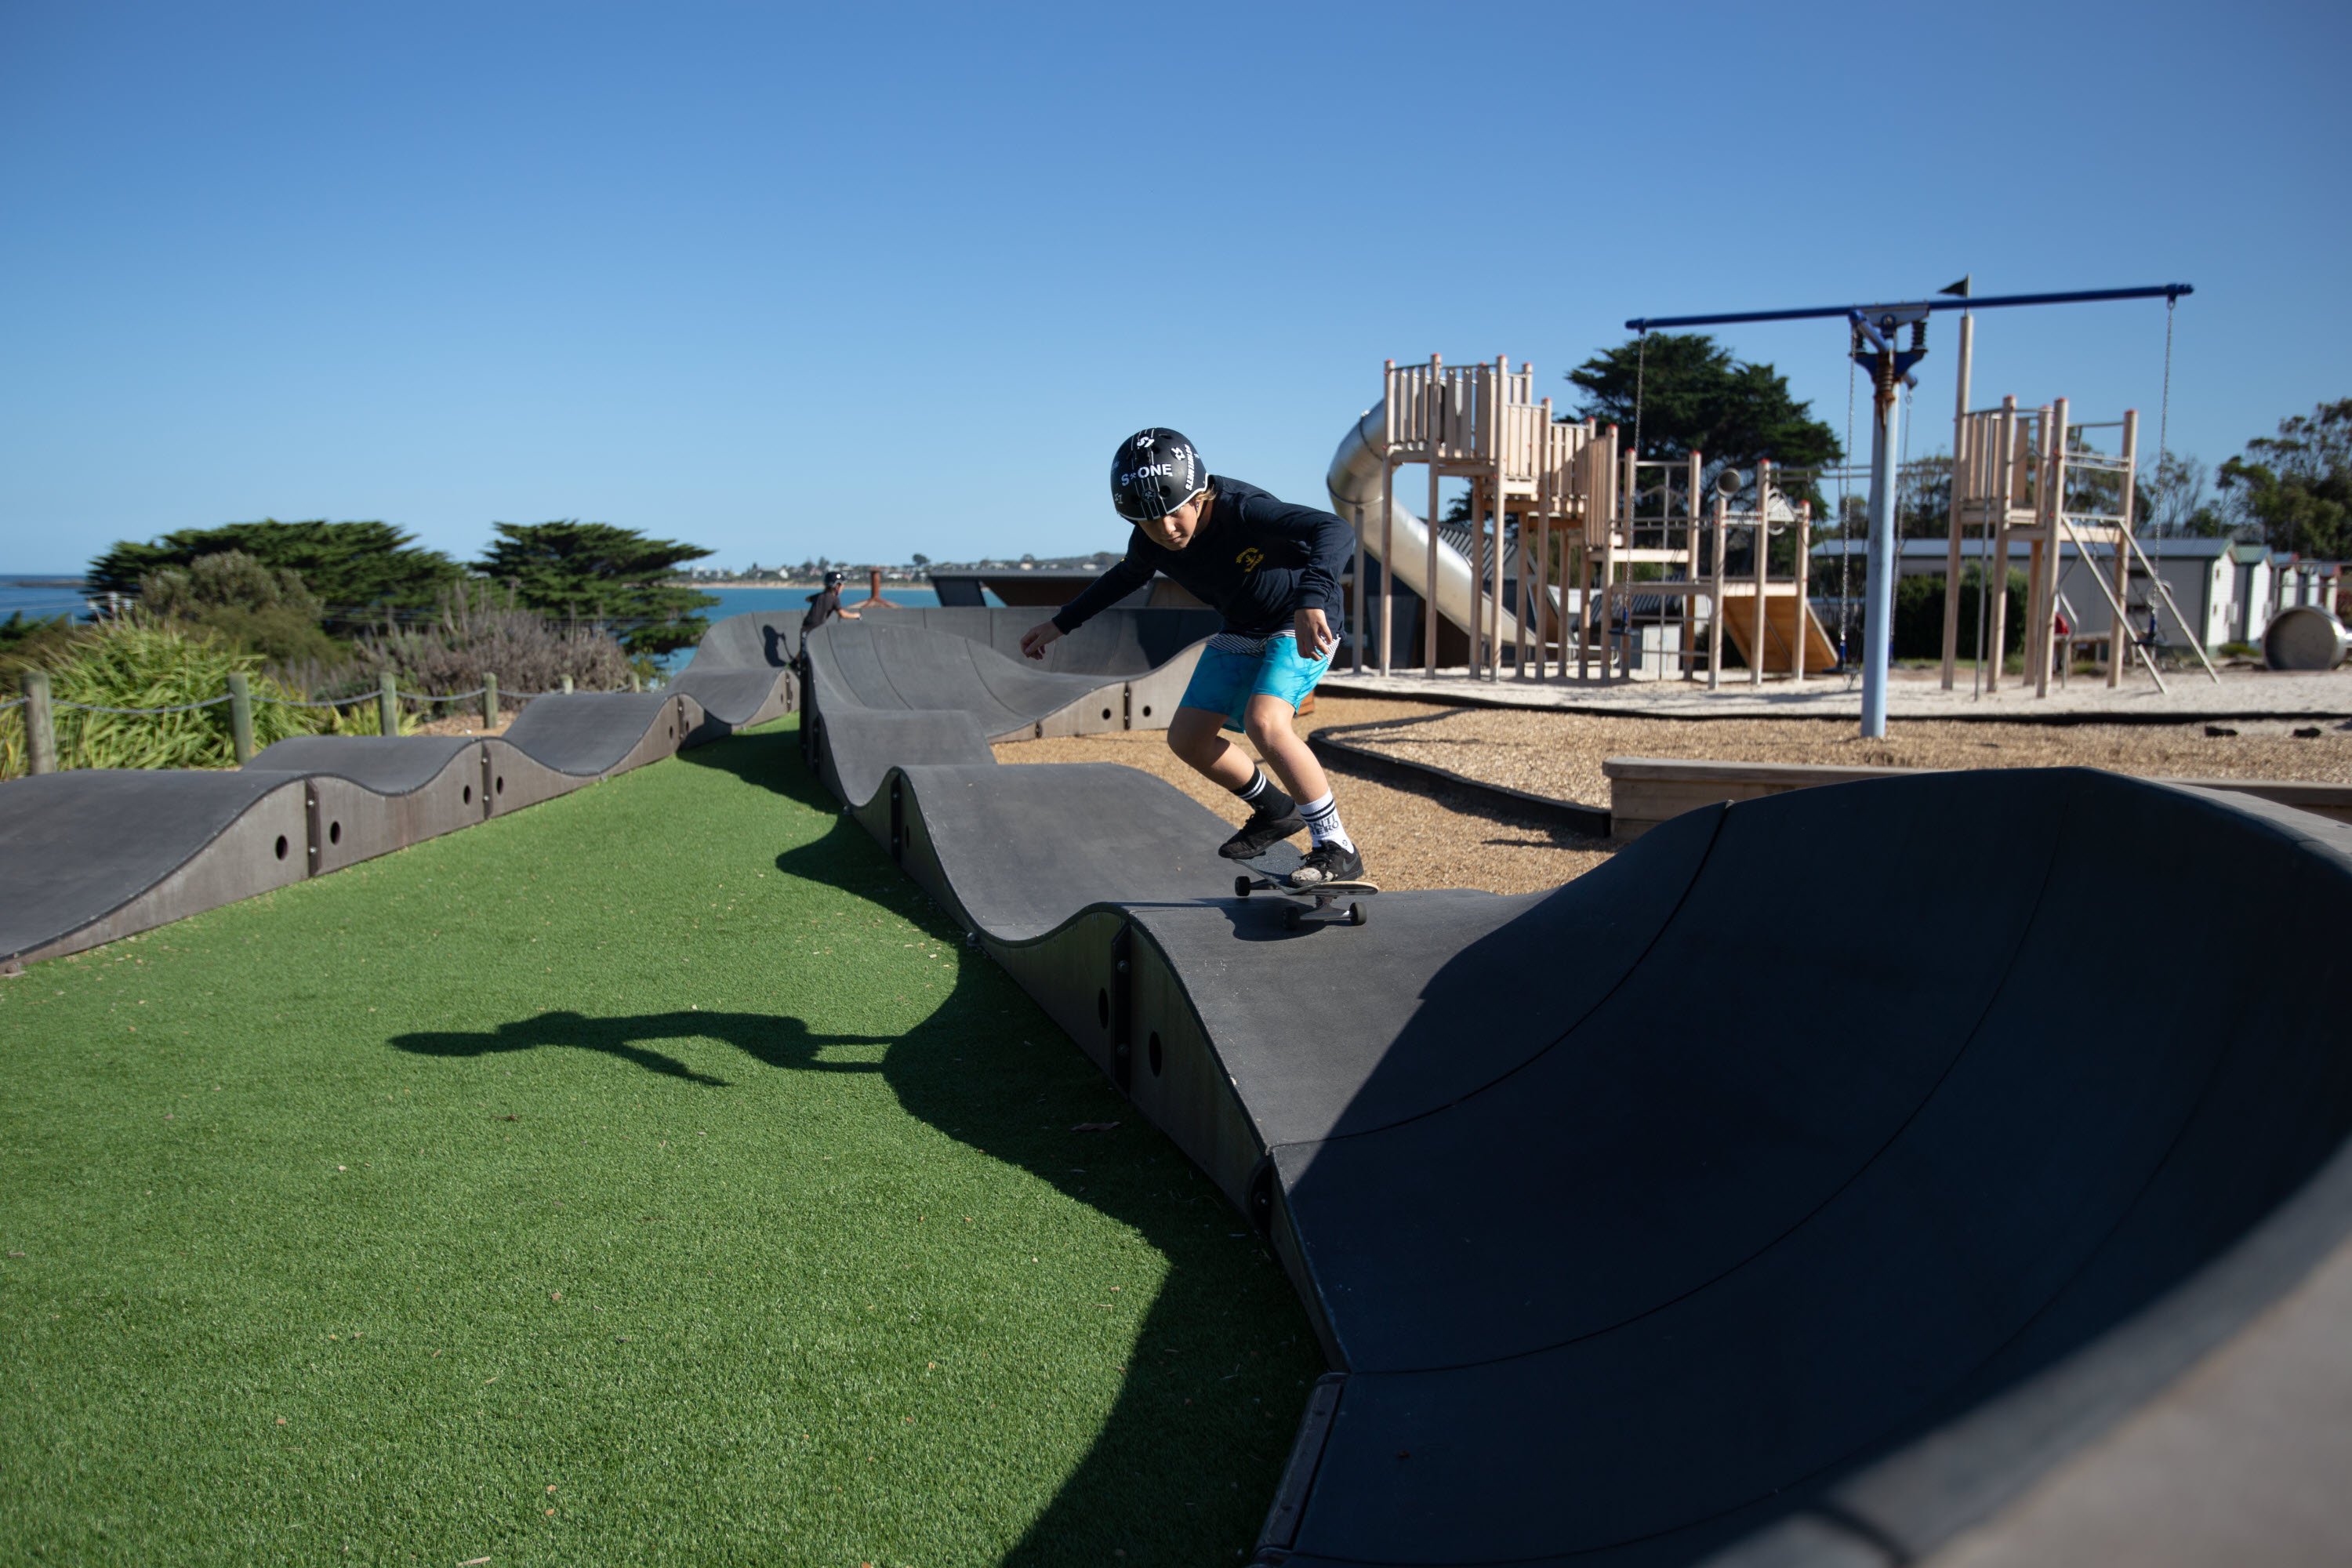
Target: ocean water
[[743, 601], [39, 603], [770, 601]]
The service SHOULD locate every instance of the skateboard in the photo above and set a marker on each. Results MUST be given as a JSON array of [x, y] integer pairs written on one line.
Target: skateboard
[[1321, 896]]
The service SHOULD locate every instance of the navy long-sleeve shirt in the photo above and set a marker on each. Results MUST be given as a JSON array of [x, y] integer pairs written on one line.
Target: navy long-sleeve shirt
[[1257, 562]]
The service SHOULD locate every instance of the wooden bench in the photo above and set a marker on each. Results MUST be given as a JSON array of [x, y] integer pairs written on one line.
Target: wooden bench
[[1646, 791]]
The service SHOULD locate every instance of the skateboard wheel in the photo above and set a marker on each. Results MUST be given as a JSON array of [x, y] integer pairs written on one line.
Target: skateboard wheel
[[1293, 917], [1356, 915], [1242, 887]]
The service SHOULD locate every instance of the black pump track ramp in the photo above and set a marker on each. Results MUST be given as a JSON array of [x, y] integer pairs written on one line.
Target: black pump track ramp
[[88, 856], [1841, 1177]]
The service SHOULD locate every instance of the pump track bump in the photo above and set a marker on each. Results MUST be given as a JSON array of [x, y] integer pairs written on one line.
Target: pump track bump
[[1811, 1183]]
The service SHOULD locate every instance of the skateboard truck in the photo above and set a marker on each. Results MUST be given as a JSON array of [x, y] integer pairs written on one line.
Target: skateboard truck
[[1314, 904]]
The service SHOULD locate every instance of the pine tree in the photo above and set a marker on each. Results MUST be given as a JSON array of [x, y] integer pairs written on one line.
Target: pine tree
[[349, 566], [595, 572]]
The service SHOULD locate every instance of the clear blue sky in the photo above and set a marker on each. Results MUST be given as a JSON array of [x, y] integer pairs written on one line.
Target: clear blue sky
[[867, 280]]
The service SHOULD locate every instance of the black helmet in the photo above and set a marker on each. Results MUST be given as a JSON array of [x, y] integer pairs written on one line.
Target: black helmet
[[1154, 472], [833, 579]]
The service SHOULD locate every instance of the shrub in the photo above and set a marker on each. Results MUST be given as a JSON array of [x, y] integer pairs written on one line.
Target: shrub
[[33, 644], [138, 662], [481, 630], [265, 609], [1919, 615]]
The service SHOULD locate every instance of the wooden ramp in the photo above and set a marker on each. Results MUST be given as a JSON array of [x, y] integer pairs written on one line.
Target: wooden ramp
[[1779, 632]]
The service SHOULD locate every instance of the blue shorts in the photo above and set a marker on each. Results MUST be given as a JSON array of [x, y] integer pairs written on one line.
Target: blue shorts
[[1225, 681]]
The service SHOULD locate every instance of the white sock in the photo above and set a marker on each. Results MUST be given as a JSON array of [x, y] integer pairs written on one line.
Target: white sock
[[1323, 823]]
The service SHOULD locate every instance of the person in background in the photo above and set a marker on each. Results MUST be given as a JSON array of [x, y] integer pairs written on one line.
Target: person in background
[[823, 607]]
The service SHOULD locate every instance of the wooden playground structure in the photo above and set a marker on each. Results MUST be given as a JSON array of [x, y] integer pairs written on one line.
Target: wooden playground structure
[[1481, 422], [1595, 539], [2033, 474], [1583, 555]]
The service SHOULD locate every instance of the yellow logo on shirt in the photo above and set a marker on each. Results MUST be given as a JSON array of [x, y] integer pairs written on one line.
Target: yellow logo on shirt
[[1251, 559]]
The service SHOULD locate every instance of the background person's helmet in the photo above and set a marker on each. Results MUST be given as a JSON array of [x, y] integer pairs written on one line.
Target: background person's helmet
[[1154, 472], [833, 579]]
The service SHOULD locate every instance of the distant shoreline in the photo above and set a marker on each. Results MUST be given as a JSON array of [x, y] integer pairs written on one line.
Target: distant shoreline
[[855, 585]]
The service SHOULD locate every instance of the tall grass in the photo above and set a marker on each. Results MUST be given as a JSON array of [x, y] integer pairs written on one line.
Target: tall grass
[[144, 661], [138, 662]]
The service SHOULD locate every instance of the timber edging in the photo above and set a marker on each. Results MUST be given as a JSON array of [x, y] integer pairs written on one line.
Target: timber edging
[[1646, 791]]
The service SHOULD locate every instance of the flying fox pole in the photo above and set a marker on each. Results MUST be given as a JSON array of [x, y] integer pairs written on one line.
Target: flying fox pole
[[1875, 329], [1878, 582], [1874, 351]]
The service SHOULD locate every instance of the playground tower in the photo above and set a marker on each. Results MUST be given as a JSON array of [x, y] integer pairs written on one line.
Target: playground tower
[[2034, 475]]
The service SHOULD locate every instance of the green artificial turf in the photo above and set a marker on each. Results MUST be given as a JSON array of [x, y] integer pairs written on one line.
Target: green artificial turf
[[650, 1176]]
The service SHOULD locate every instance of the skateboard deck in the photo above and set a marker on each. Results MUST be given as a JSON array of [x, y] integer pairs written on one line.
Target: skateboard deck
[[1314, 904]]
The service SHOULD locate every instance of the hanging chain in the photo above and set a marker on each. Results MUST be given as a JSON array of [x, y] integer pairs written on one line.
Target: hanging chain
[[1641, 363], [1845, 521], [1902, 462], [2164, 418]]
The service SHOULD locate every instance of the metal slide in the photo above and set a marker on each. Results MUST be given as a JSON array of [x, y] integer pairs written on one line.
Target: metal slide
[[1354, 482]]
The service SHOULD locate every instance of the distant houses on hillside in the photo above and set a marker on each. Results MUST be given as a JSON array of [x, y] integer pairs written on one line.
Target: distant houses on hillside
[[919, 570]]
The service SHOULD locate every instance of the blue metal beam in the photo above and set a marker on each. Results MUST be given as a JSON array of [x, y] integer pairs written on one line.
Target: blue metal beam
[[2079, 297]]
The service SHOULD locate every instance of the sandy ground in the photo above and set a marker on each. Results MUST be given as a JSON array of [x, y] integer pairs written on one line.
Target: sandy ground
[[1409, 840], [1559, 754], [1443, 841]]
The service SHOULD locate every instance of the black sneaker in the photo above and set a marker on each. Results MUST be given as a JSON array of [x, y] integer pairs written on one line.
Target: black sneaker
[[1327, 863], [1263, 831]]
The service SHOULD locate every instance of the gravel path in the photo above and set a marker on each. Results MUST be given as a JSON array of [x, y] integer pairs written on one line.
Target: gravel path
[[1558, 754], [1409, 840], [1412, 840]]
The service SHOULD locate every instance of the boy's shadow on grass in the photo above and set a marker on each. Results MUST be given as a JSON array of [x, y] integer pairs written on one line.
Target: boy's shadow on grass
[[771, 1040]]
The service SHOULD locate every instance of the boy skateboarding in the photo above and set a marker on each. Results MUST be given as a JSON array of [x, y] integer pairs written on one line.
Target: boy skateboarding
[[1272, 570]]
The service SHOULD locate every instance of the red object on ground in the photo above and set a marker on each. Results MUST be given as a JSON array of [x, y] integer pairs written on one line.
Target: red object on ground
[[874, 599]]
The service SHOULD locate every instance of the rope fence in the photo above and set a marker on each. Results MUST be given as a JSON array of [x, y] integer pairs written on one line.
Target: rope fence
[[137, 713], [373, 695]]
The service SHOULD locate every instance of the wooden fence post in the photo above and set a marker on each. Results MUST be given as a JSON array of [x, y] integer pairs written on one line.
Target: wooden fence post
[[40, 728], [567, 686], [490, 701], [240, 717], [387, 704]]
